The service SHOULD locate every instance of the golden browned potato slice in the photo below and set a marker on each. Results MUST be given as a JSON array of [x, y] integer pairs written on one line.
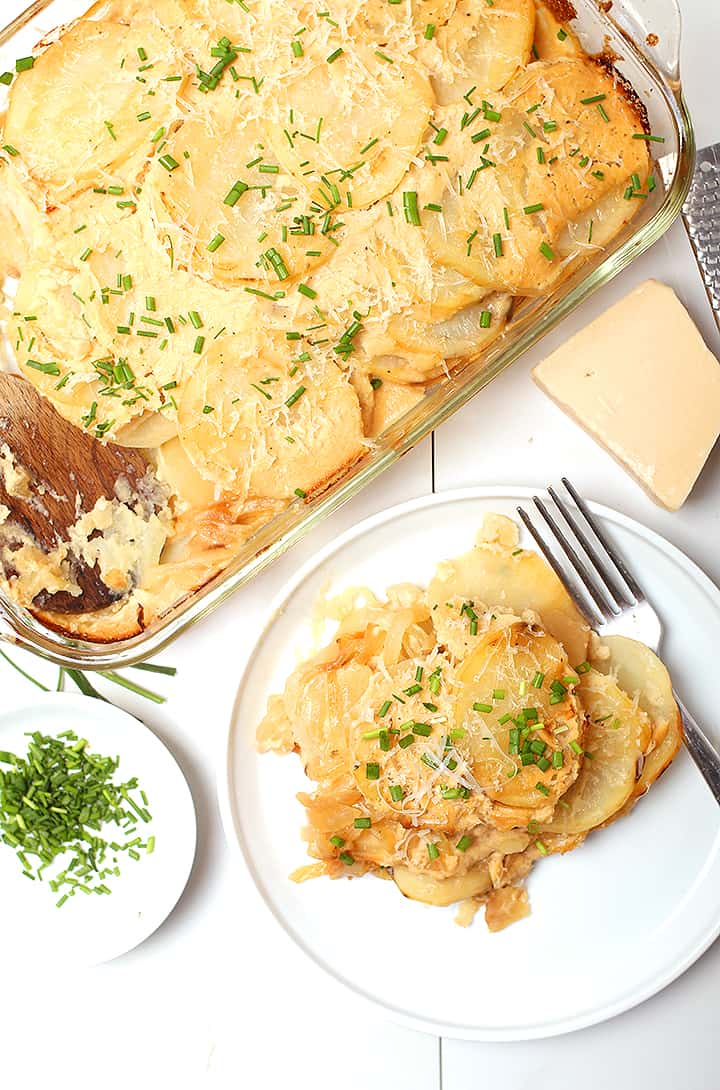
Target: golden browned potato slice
[[506, 906], [641, 674], [512, 693], [390, 401], [409, 349], [526, 187], [223, 207], [553, 39], [481, 46], [381, 18], [249, 426], [75, 114], [617, 735], [513, 581], [366, 119], [607, 154], [421, 886]]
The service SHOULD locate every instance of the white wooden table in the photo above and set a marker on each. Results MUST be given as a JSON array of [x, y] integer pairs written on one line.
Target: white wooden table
[[219, 997]]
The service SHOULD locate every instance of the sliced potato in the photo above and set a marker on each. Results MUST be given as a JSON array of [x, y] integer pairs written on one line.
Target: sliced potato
[[381, 17], [146, 432], [425, 887], [514, 581], [508, 661], [237, 428], [481, 46], [553, 39], [522, 198], [426, 346], [212, 150], [362, 142], [640, 673], [617, 735], [176, 470], [390, 401], [506, 906], [85, 86]]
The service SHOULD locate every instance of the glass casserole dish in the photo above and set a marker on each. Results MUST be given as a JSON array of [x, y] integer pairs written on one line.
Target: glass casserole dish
[[642, 40]]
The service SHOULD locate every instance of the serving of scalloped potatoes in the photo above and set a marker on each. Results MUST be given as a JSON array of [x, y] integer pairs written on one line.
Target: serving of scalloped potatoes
[[456, 734], [253, 234]]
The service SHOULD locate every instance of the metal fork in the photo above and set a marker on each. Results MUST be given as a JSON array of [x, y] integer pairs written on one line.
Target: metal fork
[[611, 599]]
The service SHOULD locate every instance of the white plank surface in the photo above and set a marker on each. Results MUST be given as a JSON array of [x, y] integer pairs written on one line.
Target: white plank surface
[[219, 997]]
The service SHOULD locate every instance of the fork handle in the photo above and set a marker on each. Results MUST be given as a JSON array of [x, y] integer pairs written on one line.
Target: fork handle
[[701, 749]]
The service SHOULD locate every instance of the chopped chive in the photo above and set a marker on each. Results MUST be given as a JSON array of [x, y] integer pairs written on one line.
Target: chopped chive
[[410, 207], [576, 747], [215, 243], [362, 823], [334, 55], [423, 729], [477, 137], [497, 244], [464, 843], [557, 758], [24, 64], [429, 33], [384, 708], [541, 847], [337, 841], [372, 771], [290, 401], [547, 252], [198, 346], [648, 136], [537, 681], [396, 793], [592, 99], [582, 668], [530, 208], [406, 741], [433, 851], [540, 155], [306, 291], [346, 858], [542, 788], [168, 162], [482, 707]]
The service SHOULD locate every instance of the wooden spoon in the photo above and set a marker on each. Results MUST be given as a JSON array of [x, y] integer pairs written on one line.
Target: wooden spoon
[[68, 471]]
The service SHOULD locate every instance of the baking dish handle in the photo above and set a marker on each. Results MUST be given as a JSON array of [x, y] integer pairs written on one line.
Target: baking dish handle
[[655, 27]]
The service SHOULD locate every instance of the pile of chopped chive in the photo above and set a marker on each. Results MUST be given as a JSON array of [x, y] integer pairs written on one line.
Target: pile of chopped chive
[[54, 803]]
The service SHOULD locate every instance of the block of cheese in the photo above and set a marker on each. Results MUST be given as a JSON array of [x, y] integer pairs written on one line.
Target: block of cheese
[[642, 382]]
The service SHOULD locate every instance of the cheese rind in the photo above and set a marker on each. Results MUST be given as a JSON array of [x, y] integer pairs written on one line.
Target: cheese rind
[[641, 381]]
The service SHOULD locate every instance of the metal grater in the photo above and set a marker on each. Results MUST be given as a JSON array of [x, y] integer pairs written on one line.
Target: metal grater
[[701, 213]]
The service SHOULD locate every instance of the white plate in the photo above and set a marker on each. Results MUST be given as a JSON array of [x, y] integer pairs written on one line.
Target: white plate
[[89, 929], [612, 923]]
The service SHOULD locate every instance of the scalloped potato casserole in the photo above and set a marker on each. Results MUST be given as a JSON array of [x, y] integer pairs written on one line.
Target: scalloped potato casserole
[[248, 235], [457, 734]]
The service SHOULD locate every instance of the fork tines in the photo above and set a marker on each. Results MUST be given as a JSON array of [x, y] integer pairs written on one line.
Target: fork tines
[[590, 566]]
